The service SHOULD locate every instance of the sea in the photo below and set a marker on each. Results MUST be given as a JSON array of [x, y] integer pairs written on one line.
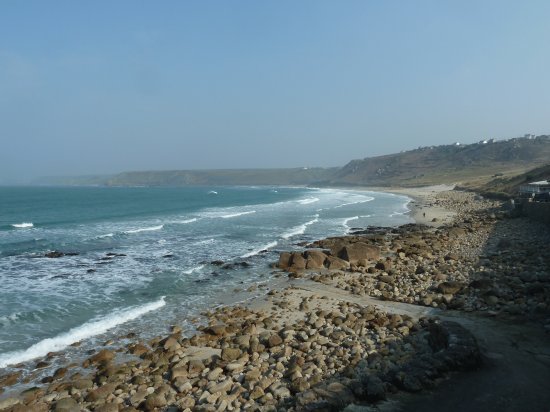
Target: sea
[[139, 259]]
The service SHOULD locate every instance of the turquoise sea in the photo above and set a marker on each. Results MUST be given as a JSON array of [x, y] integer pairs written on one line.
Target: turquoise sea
[[140, 259]]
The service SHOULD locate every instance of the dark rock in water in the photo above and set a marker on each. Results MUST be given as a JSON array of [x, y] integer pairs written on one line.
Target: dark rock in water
[[115, 254], [90, 271], [217, 262], [215, 274], [169, 255], [106, 258], [105, 262], [54, 254], [61, 276], [236, 265], [71, 254], [370, 230]]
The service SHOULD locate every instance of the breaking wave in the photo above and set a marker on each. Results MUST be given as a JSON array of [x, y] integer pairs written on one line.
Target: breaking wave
[[87, 330], [23, 225]]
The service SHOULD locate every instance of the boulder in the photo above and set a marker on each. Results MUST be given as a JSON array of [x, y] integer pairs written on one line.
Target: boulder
[[10, 379], [359, 250], [8, 403], [154, 401], [216, 330], [315, 259], [274, 340], [101, 393], [108, 407], [297, 261], [231, 354], [284, 260], [102, 356], [450, 287], [66, 405], [335, 263]]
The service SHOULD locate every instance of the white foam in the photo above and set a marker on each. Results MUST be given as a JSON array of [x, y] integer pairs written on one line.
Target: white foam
[[308, 200], [299, 230], [229, 216], [145, 229], [88, 329], [212, 192], [23, 225], [107, 235], [205, 242], [192, 270], [8, 319], [349, 219], [187, 221], [368, 199], [258, 251]]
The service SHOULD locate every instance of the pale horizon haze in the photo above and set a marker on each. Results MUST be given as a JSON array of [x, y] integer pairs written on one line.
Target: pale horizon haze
[[104, 87]]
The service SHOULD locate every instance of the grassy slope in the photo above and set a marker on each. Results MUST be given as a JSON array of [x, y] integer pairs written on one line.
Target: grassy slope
[[476, 164], [472, 166]]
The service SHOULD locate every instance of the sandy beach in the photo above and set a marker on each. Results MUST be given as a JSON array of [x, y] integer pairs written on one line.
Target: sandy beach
[[382, 319]]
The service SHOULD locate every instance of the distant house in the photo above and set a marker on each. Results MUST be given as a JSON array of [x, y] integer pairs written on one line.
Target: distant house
[[534, 188]]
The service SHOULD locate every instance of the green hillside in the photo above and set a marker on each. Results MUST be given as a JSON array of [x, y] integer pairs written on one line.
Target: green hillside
[[474, 163]]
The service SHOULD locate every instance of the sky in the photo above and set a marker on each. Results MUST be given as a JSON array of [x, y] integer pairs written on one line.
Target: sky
[[100, 87]]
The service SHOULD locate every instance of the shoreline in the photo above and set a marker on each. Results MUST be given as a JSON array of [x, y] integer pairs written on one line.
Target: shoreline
[[259, 354]]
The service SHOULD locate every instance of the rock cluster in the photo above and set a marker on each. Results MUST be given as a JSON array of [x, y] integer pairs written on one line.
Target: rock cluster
[[483, 261], [246, 360]]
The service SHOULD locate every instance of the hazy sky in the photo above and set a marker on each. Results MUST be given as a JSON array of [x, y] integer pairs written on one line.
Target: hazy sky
[[91, 87]]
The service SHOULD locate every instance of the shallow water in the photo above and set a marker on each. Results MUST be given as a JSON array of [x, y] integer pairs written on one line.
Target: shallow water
[[139, 259]]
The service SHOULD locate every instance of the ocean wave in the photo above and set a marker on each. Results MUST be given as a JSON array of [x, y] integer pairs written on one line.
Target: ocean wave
[[187, 221], [299, 230], [204, 242], [349, 219], [145, 229], [193, 270], [106, 235], [87, 330], [258, 251], [368, 199], [308, 200], [229, 216], [23, 225], [212, 192]]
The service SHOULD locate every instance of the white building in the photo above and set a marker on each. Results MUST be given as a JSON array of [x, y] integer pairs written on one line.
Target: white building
[[535, 188]]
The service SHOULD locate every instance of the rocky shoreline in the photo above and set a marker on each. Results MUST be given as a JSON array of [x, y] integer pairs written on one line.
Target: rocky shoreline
[[362, 318]]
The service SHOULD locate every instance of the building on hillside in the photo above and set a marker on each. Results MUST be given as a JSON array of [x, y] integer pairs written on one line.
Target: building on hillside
[[540, 189]]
